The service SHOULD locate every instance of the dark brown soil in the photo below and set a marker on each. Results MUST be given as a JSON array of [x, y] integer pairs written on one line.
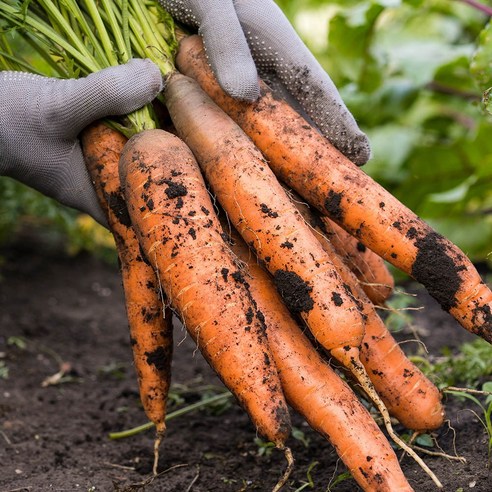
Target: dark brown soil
[[55, 438]]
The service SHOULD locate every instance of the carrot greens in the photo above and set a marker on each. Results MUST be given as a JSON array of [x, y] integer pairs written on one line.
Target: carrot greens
[[76, 39]]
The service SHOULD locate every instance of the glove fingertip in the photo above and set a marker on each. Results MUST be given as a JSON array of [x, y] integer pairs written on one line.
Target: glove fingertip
[[147, 77], [358, 150], [240, 85], [231, 60], [112, 91]]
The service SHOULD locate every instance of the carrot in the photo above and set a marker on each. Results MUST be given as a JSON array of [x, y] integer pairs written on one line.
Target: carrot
[[180, 234], [262, 213], [306, 162], [150, 329], [315, 391], [368, 267], [405, 390]]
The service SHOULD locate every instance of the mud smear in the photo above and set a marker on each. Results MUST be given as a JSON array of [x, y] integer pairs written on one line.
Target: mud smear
[[117, 205], [436, 270], [294, 291], [332, 205]]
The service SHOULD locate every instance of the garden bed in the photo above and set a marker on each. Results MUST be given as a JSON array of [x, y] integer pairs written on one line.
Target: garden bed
[[60, 310]]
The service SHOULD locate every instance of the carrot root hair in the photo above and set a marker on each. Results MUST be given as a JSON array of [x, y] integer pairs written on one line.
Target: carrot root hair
[[350, 358]]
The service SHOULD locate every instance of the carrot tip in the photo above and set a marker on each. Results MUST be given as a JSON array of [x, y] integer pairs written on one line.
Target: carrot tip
[[157, 443], [290, 467]]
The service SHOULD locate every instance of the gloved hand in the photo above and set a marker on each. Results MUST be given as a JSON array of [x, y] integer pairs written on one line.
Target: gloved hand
[[41, 117], [244, 38]]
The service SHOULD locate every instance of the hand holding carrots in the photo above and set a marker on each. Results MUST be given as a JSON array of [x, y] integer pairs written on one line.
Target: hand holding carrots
[[40, 119], [245, 39]]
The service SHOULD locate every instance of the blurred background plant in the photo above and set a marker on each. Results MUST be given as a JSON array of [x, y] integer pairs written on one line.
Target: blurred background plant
[[413, 72]]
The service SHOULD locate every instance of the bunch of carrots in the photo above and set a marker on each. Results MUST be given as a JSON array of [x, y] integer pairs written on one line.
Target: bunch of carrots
[[281, 270]]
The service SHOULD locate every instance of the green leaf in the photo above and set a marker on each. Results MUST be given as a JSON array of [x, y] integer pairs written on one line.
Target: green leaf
[[350, 35], [391, 146], [425, 440], [488, 388], [455, 194], [481, 64]]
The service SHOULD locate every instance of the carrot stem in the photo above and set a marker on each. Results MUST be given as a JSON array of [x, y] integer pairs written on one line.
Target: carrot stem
[[44, 32]]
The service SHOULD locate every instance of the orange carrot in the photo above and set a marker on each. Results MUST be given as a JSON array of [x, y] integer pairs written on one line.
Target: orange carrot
[[405, 390], [368, 267], [262, 213], [306, 162], [174, 218], [315, 391], [150, 330]]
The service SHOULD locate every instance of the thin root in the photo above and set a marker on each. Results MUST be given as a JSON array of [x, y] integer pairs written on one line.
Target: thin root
[[440, 454], [157, 443], [290, 466]]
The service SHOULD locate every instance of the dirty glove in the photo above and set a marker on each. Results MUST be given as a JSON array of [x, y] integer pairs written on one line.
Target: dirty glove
[[244, 38], [41, 117]]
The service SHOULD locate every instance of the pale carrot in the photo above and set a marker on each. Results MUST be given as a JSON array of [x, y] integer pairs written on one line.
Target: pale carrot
[[316, 392]]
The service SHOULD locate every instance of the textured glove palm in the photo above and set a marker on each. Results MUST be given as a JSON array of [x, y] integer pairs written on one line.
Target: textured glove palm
[[244, 38], [41, 117]]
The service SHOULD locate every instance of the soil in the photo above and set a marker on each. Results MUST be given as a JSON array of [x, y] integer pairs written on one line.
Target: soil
[[70, 313]]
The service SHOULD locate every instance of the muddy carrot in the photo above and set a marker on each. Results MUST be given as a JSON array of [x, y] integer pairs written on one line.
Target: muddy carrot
[[150, 326], [174, 218], [368, 267], [262, 213], [316, 392], [405, 390], [306, 162]]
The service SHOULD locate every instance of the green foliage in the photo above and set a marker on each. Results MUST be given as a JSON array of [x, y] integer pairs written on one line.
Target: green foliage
[[342, 477], [300, 436], [19, 342], [470, 366], [485, 417], [25, 210], [309, 479], [4, 370], [399, 314], [265, 448]]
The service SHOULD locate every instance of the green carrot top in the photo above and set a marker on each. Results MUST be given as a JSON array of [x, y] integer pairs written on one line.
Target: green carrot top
[[72, 39]]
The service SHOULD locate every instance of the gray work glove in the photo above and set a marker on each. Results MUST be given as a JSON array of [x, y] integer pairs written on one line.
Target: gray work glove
[[41, 117], [244, 38]]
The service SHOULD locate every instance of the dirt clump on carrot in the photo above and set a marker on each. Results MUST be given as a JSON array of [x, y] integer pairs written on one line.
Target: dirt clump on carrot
[[295, 291]]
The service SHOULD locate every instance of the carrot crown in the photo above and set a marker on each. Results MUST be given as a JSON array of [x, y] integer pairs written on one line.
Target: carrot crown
[[73, 39]]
